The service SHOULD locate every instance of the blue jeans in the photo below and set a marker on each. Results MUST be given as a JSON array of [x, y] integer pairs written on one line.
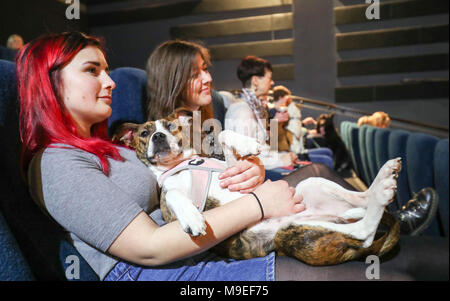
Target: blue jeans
[[203, 267], [321, 155]]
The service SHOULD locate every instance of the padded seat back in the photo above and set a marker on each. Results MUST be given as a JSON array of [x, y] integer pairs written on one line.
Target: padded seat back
[[381, 147], [353, 132], [397, 148], [129, 96], [43, 243], [364, 171], [370, 153], [420, 160], [13, 265], [441, 157]]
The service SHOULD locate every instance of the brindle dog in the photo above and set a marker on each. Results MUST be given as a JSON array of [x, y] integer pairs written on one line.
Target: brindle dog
[[338, 225]]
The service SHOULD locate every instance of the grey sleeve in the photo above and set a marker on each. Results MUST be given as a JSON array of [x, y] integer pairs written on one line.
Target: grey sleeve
[[82, 199]]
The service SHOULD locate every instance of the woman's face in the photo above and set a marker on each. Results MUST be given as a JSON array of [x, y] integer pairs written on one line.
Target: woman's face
[[199, 91], [87, 88], [262, 84]]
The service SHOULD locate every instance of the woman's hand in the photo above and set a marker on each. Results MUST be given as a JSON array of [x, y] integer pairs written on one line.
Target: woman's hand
[[244, 176], [281, 117], [308, 121], [278, 199]]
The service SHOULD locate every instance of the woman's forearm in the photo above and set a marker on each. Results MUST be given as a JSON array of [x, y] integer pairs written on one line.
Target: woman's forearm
[[144, 243]]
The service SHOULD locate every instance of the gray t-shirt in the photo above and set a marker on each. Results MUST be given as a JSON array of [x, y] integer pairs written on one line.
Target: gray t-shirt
[[92, 207]]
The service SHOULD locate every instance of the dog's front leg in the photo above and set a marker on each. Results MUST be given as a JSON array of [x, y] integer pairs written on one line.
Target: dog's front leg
[[191, 220]]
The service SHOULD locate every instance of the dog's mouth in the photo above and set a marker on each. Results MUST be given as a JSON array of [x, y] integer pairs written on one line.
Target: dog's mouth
[[163, 154]]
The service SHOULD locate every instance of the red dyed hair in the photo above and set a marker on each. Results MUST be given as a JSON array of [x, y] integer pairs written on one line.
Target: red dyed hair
[[44, 119]]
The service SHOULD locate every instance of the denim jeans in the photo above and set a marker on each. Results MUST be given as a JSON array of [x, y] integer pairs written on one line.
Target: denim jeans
[[203, 267], [321, 155]]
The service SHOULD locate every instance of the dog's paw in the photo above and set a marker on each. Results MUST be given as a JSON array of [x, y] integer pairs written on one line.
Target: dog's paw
[[241, 144], [247, 147], [385, 191], [391, 167], [192, 221]]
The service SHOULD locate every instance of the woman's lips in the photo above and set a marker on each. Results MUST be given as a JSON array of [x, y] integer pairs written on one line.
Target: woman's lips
[[106, 99]]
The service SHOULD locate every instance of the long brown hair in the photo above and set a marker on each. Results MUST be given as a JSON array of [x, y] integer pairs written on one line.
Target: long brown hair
[[169, 71]]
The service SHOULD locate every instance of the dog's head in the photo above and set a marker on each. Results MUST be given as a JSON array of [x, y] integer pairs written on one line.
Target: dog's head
[[159, 143], [325, 124]]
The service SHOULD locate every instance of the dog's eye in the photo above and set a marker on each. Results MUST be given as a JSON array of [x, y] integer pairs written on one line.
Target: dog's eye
[[172, 126], [144, 134]]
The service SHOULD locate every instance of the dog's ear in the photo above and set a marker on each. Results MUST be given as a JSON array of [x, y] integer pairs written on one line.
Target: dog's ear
[[181, 111], [125, 133]]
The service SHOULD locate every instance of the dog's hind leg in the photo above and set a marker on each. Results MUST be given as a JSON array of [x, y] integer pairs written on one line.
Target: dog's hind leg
[[316, 189], [379, 195]]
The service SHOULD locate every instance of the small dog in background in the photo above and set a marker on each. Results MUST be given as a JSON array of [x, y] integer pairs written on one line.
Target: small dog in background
[[378, 119], [341, 156], [338, 225]]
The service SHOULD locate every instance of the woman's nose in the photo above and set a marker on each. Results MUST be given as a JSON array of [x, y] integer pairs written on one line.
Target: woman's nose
[[207, 77], [108, 82]]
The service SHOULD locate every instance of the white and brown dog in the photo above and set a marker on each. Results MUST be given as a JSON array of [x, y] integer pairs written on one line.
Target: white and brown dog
[[337, 225]]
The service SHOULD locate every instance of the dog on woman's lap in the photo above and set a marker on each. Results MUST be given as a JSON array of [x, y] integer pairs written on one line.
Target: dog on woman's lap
[[337, 225]]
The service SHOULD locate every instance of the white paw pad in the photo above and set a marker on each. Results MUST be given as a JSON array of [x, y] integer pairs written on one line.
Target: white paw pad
[[192, 221]]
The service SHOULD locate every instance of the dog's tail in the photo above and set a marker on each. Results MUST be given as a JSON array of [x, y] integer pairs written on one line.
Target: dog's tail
[[386, 242]]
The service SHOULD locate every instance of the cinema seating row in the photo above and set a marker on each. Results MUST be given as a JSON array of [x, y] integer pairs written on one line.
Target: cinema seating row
[[424, 163]]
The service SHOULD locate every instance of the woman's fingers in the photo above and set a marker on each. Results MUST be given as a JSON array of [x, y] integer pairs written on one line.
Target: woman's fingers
[[232, 171], [244, 176], [245, 187]]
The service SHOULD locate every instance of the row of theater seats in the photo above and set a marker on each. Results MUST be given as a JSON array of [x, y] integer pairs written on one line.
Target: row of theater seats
[[425, 163]]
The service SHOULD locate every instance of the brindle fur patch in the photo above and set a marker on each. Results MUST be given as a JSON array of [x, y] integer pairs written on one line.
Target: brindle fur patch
[[319, 246], [169, 216]]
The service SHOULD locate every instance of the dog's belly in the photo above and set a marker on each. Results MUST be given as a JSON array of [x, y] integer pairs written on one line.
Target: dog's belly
[[218, 193], [320, 199]]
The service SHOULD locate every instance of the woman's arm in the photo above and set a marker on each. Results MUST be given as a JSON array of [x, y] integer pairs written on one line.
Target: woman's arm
[[143, 242]]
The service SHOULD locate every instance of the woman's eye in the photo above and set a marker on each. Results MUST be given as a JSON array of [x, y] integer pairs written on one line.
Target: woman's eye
[[92, 70]]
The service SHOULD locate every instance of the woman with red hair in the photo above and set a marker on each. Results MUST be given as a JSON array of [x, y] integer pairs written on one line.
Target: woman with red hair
[[100, 192]]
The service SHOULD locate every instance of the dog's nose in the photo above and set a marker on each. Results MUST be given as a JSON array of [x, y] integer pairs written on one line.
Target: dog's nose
[[158, 137]]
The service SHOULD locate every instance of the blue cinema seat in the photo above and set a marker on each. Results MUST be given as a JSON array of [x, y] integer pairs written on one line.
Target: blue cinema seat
[[128, 98], [353, 133], [13, 265], [43, 243], [343, 128], [441, 157], [420, 160], [364, 172], [381, 147], [370, 153], [397, 148]]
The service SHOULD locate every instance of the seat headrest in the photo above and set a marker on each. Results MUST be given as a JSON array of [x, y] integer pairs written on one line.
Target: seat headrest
[[130, 95], [8, 89]]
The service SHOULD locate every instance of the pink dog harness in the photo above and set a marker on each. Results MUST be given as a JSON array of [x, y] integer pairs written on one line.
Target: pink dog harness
[[201, 172]]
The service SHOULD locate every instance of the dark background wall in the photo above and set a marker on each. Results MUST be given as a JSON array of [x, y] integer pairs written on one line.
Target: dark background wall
[[30, 18], [330, 51]]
